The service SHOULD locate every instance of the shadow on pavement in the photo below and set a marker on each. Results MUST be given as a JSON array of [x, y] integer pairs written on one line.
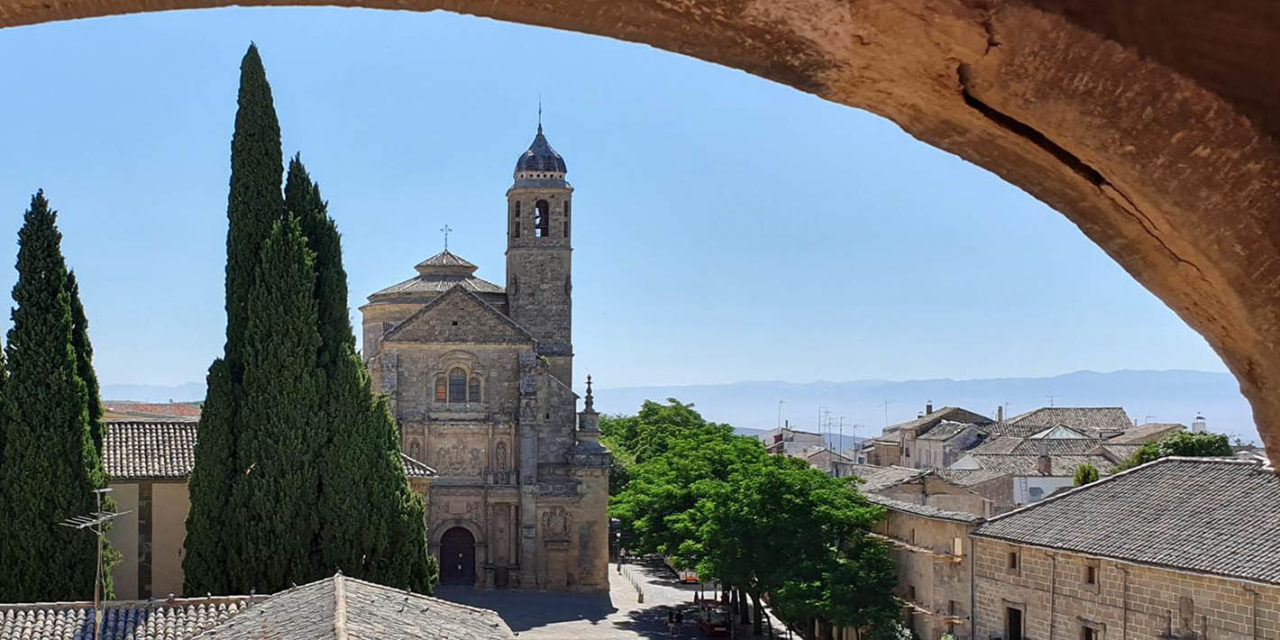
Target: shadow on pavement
[[525, 610]]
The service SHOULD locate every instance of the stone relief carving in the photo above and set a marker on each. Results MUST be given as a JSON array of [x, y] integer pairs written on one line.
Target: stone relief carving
[[555, 522], [460, 457]]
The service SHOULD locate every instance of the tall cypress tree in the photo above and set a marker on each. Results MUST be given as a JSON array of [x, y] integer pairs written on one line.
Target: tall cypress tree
[[372, 523], [274, 501], [84, 360], [50, 465], [254, 204]]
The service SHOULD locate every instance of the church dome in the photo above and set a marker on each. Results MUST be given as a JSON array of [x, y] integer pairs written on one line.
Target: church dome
[[540, 158]]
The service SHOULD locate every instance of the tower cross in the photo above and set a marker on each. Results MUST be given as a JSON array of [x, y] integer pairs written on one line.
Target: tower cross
[[445, 230]]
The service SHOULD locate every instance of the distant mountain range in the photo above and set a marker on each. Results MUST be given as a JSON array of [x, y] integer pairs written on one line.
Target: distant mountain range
[[752, 407], [1147, 396]]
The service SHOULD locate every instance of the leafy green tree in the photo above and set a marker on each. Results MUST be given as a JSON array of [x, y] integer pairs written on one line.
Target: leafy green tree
[[274, 502], [1197, 445], [50, 466], [1085, 474], [372, 523], [656, 507], [84, 360], [255, 203], [784, 528]]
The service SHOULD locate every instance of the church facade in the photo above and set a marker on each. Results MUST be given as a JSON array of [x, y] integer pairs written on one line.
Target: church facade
[[479, 377]]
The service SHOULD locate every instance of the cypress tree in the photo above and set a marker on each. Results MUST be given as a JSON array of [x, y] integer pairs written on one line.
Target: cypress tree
[[84, 361], [254, 204], [274, 498], [50, 465], [372, 523]]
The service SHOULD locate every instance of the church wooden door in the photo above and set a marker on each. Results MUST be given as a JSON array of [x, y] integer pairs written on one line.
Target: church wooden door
[[457, 557]]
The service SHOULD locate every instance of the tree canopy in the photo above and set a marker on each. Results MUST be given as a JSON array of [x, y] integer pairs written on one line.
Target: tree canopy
[[1196, 445], [1085, 474], [711, 500]]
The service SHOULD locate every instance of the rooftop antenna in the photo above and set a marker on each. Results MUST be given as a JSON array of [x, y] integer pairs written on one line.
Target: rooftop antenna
[[1051, 397], [93, 522], [780, 413], [445, 230], [886, 404]]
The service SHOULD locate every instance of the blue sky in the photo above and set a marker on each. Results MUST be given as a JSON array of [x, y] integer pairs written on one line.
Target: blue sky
[[726, 228]]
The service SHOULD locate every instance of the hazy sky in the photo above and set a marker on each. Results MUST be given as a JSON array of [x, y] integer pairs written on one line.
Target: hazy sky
[[726, 228]]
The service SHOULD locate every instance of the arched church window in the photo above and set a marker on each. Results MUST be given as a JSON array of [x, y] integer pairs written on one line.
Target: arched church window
[[457, 385], [515, 221], [473, 390], [566, 218], [441, 390], [541, 219]]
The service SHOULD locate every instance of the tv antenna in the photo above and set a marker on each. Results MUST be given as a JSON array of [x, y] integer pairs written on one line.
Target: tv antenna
[[93, 522]]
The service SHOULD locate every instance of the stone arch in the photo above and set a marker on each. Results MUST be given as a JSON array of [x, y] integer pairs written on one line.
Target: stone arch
[[1158, 138]]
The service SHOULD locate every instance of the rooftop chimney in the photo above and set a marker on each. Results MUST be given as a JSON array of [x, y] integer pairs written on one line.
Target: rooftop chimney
[[1000, 413], [1044, 464], [1198, 425], [928, 407]]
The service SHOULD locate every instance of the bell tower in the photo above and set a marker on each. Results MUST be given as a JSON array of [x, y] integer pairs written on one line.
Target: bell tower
[[539, 283]]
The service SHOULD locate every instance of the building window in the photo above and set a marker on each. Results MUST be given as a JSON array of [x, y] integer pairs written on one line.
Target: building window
[[566, 219], [442, 394], [913, 536], [515, 221], [957, 546], [541, 219], [953, 611], [911, 592], [457, 385], [473, 390], [1090, 576], [1013, 560], [1089, 633]]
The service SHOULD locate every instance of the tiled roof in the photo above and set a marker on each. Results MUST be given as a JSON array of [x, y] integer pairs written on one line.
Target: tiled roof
[[1028, 465], [922, 510], [434, 285], [926, 422], [967, 477], [126, 411], [148, 450], [879, 478], [416, 469], [1208, 515], [945, 430], [176, 619], [999, 429], [1059, 432], [1116, 452], [1027, 446], [1149, 432], [447, 259], [360, 610], [1078, 418]]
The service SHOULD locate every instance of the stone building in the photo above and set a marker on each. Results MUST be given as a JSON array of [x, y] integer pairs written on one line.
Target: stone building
[[479, 379], [932, 554], [1180, 548]]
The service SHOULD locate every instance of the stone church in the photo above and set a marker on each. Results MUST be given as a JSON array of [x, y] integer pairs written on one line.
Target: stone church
[[479, 377]]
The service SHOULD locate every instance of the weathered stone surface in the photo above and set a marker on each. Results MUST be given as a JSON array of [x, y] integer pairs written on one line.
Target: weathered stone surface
[[1150, 125]]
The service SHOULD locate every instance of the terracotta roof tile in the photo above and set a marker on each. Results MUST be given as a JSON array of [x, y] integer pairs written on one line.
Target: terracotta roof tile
[[149, 450]]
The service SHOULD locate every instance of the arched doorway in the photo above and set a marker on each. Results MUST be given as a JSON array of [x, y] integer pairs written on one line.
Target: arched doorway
[[457, 557]]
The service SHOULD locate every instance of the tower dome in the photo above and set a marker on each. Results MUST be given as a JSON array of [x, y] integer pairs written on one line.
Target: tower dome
[[540, 158]]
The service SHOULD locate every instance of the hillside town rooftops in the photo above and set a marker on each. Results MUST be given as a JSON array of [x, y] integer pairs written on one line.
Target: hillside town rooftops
[[1029, 465], [148, 450], [129, 411], [1078, 418], [1217, 516]]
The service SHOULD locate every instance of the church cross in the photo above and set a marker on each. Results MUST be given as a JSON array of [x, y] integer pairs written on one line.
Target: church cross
[[445, 230]]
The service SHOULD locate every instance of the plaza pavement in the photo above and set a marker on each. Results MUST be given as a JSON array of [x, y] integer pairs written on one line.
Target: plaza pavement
[[618, 615]]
